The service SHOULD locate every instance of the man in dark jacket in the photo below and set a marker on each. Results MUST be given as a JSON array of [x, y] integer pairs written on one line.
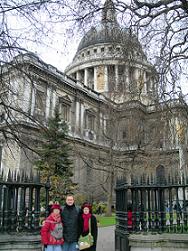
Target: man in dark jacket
[[70, 224]]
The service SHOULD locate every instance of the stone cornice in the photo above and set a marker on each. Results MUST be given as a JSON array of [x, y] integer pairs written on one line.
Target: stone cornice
[[54, 76]]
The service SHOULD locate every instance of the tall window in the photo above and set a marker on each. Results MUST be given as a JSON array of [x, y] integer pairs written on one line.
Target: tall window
[[65, 108], [89, 120], [40, 104]]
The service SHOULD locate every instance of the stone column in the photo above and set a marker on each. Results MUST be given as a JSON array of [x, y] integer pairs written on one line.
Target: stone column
[[82, 118], [106, 87], [116, 78], [77, 116], [53, 103], [26, 96], [127, 78], [33, 91], [78, 76], [136, 77], [48, 94], [145, 82], [86, 77], [95, 78]]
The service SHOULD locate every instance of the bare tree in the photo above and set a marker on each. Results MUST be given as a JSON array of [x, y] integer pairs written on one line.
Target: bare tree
[[161, 26]]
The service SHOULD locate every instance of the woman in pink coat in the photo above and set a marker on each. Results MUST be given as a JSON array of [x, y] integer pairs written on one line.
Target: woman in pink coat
[[52, 230]]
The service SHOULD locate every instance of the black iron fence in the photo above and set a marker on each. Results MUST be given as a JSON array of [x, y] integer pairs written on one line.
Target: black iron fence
[[150, 205], [20, 201]]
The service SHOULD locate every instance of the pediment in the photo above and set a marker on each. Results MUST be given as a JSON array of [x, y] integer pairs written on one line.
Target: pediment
[[65, 99], [90, 110]]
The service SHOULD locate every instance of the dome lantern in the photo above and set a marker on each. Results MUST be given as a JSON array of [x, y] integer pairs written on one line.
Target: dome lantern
[[109, 12]]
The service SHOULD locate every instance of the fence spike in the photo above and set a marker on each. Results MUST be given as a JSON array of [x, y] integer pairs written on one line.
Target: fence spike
[[125, 180], [18, 176], [169, 179], [31, 176], [26, 178], [186, 180], [176, 178], [148, 180], [1, 174], [183, 179], [132, 179], [36, 177], [9, 176], [14, 176], [173, 181], [144, 179], [21, 176]]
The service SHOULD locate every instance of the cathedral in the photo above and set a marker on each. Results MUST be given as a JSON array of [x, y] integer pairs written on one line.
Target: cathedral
[[109, 97]]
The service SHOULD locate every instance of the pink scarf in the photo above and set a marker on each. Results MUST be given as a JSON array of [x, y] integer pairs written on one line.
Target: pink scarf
[[86, 218]]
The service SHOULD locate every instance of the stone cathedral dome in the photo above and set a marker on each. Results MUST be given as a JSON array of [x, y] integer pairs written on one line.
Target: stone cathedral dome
[[103, 33], [108, 31], [110, 60]]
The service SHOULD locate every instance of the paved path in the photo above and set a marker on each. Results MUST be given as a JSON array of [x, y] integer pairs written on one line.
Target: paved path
[[106, 239]]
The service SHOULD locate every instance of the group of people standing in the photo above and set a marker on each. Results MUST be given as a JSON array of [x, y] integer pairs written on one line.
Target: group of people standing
[[72, 222]]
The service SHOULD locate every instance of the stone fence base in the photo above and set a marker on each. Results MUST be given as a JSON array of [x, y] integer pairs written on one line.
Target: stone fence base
[[158, 242], [20, 242]]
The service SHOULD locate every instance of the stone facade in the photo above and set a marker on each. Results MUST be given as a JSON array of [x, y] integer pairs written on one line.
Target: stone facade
[[109, 98], [20, 241], [158, 242]]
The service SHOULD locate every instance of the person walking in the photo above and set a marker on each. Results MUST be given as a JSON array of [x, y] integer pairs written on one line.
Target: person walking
[[130, 219], [70, 224], [87, 220], [52, 230]]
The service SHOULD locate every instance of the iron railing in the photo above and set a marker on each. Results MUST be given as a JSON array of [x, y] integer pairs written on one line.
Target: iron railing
[[150, 206], [20, 202]]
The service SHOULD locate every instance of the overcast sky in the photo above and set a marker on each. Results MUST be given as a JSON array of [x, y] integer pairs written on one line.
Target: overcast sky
[[60, 51]]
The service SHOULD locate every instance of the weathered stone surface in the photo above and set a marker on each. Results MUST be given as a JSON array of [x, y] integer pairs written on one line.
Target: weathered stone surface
[[20, 242], [158, 242]]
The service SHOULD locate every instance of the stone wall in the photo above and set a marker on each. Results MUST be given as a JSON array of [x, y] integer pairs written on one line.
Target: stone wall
[[158, 242], [20, 242]]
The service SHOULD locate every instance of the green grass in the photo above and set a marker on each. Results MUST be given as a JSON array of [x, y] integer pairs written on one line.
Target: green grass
[[104, 221]]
